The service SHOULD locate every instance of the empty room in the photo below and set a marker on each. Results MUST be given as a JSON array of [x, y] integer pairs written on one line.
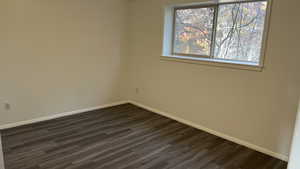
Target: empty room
[[149, 84]]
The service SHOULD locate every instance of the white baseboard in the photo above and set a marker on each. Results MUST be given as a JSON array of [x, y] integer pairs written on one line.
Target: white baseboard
[[58, 115], [216, 133]]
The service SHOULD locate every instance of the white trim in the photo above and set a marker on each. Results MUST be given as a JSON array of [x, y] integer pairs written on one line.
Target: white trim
[[1, 155], [213, 62], [295, 148], [216, 133], [58, 115]]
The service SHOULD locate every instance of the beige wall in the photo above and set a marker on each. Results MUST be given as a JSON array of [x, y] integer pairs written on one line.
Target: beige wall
[[59, 55], [257, 107]]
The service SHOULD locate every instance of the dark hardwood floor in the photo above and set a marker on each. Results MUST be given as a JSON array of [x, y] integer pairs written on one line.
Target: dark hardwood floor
[[124, 137]]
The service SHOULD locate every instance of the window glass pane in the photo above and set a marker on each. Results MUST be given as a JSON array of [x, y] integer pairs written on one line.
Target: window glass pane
[[193, 31], [240, 31]]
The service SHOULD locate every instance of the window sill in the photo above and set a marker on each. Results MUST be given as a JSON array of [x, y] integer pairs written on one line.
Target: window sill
[[214, 62]]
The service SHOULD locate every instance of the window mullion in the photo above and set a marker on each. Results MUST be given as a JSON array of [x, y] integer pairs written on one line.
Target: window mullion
[[214, 31]]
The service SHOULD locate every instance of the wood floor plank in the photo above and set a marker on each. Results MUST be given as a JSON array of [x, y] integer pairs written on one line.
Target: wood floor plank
[[124, 137]]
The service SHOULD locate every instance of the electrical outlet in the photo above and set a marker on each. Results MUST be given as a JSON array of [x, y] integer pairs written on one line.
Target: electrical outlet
[[137, 90], [7, 106]]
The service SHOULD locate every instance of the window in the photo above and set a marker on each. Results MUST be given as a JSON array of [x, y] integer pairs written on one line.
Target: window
[[230, 32]]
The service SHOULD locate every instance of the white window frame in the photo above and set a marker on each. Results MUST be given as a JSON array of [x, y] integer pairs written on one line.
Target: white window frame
[[169, 32]]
